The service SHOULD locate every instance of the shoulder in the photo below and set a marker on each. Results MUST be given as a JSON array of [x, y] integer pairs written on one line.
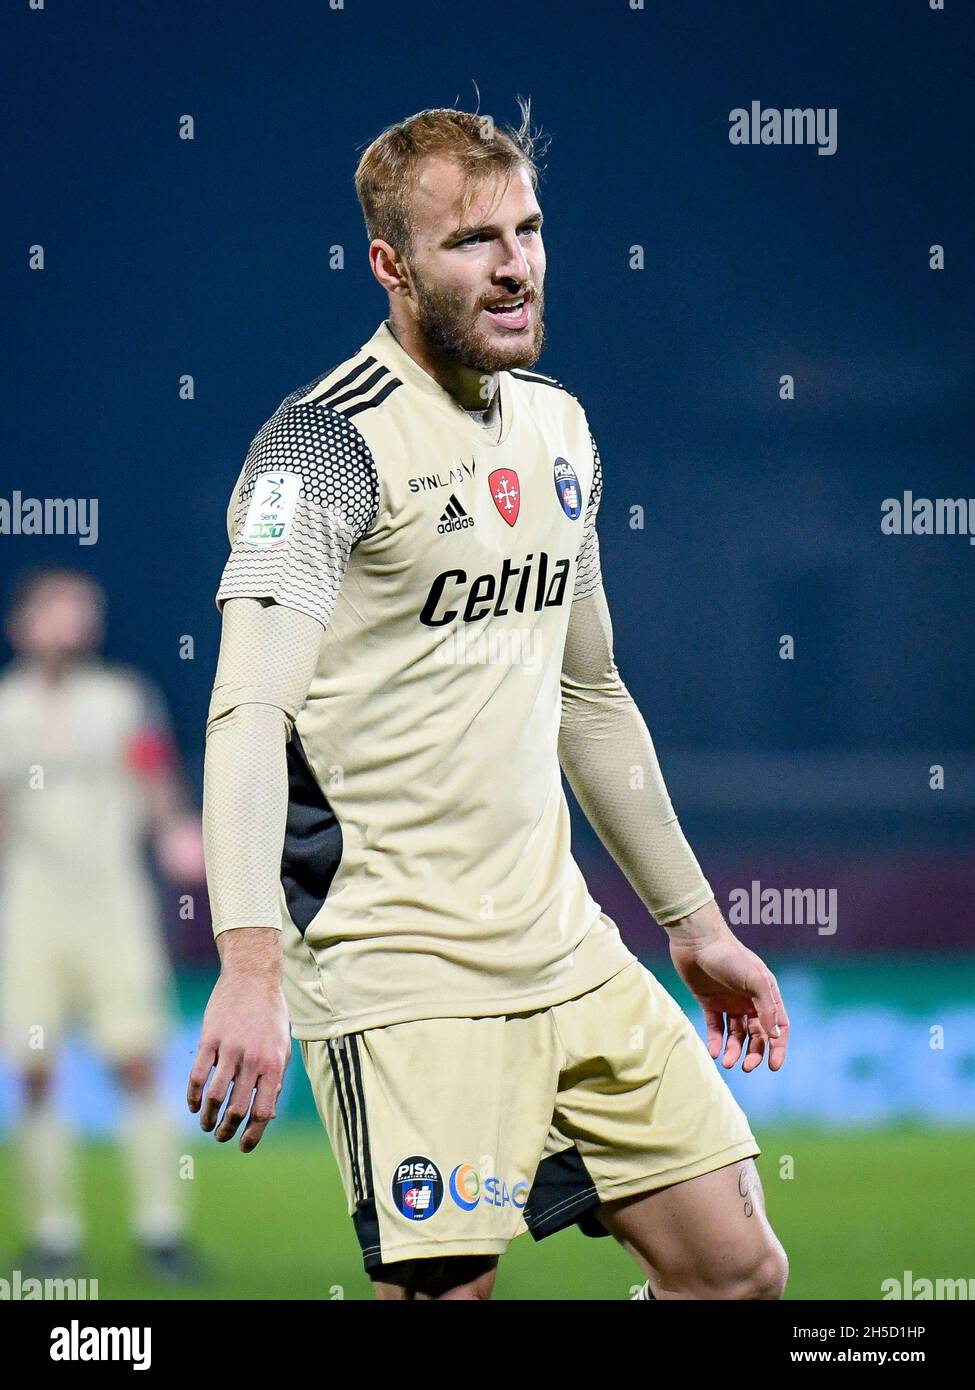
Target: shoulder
[[126, 682], [540, 384], [548, 392], [314, 441], [133, 706], [313, 434], [12, 682]]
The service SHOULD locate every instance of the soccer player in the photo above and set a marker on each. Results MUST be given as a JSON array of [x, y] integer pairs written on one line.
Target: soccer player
[[86, 766], [415, 636]]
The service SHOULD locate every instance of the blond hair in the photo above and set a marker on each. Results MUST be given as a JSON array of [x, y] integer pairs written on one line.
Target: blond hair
[[386, 175]]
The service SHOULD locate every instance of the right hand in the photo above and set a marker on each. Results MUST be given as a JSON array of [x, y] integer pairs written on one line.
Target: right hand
[[246, 1037]]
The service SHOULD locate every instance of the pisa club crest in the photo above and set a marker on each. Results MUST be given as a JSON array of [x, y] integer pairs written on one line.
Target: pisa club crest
[[506, 491], [417, 1188], [567, 488]]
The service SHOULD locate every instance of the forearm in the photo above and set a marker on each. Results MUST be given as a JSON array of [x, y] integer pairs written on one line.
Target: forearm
[[165, 800], [268, 655], [609, 759], [253, 951], [245, 808]]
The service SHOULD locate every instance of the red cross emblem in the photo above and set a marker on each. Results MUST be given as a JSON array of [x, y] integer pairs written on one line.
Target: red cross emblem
[[506, 491]]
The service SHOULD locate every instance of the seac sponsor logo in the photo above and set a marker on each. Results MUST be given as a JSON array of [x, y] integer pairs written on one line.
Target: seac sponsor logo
[[465, 1186], [496, 1193], [468, 1189], [531, 586], [417, 1188], [567, 488]]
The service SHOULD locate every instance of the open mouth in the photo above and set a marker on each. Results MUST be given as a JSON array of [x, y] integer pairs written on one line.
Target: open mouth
[[512, 313]]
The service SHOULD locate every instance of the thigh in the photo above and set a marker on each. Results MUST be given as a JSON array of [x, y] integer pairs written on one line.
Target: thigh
[[437, 1127], [35, 987], [707, 1233], [126, 977], [640, 1105]]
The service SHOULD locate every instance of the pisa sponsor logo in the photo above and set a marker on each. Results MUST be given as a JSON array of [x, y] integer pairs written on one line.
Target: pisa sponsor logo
[[49, 516], [908, 515], [417, 1188], [800, 907]]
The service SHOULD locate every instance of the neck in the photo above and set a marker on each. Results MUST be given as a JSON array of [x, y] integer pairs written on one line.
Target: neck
[[54, 669], [470, 388]]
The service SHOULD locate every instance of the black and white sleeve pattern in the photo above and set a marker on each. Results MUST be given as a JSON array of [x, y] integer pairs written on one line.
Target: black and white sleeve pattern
[[588, 574], [307, 494]]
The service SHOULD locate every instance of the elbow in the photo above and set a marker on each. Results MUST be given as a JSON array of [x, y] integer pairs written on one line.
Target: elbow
[[254, 722], [599, 694]]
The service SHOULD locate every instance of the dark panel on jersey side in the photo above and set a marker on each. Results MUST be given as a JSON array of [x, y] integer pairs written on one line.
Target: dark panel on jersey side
[[312, 840]]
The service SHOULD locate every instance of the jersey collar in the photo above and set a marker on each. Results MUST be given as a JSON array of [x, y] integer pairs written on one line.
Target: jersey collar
[[384, 347]]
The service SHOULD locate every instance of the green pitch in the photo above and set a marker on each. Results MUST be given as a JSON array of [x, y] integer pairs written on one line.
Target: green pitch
[[861, 1207]]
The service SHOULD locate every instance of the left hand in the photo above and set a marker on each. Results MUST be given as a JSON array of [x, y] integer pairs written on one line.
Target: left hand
[[730, 981]]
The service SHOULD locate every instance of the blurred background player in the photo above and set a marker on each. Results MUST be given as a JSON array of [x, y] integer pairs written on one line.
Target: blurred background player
[[87, 769]]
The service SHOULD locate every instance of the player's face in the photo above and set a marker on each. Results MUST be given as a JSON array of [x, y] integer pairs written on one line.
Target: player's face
[[468, 265], [61, 618]]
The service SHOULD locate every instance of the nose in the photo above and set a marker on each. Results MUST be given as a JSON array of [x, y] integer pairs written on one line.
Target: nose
[[514, 263]]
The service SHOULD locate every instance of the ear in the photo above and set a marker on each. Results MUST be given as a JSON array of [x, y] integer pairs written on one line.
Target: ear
[[389, 269]]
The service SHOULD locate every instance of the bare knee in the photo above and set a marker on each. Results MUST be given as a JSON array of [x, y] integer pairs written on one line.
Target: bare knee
[[758, 1275], [763, 1278], [768, 1278]]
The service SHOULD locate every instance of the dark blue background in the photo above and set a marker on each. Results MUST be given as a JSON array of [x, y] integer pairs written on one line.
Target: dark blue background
[[210, 257]]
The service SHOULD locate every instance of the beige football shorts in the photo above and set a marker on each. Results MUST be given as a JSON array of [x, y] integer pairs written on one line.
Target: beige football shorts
[[454, 1135], [95, 964]]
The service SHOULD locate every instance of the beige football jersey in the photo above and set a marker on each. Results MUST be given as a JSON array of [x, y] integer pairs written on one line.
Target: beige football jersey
[[427, 869], [71, 803]]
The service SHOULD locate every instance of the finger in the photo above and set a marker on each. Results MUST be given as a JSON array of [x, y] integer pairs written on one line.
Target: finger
[[766, 1001], [776, 992], [216, 1094], [238, 1104], [714, 1023], [779, 1046], [736, 1039], [263, 1111], [203, 1064], [756, 1045]]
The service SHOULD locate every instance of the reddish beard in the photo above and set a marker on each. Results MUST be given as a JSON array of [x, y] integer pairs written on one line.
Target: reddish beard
[[444, 319]]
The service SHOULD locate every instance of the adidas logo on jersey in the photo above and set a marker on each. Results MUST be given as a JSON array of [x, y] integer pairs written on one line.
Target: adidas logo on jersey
[[454, 518]]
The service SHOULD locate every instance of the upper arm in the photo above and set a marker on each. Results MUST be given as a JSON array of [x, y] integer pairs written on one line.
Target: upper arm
[[588, 657], [150, 748], [588, 575], [307, 494], [268, 655]]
